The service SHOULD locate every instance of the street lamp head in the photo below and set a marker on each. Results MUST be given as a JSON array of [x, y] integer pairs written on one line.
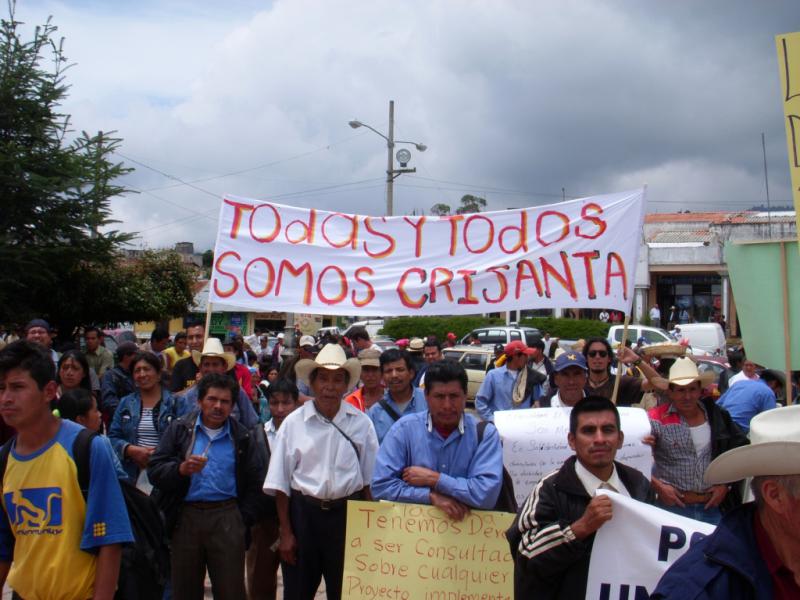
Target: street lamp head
[[421, 147], [355, 124]]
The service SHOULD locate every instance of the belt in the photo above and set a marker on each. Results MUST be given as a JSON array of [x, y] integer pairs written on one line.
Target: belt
[[695, 497], [327, 504], [211, 505]]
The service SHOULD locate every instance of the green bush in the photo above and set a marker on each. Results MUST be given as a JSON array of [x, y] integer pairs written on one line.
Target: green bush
[[408, 327], [568, 329]]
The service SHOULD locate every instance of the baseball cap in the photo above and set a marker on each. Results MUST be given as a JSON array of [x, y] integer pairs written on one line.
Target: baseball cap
[[307, 340], [570, 359], [369, 357], [451, 336], [126, 348], [38, 323], [517, 347]]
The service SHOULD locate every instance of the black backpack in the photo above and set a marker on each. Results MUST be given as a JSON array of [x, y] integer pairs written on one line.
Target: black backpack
[[506, 501], [144, 568]]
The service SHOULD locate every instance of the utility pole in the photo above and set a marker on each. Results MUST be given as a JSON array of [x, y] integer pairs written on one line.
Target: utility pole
[[390, 163]]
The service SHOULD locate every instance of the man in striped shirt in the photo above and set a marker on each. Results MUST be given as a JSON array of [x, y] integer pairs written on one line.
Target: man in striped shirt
[[559, 519]]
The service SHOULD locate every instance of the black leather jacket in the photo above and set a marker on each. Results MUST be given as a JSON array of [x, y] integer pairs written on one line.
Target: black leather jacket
[[172, 487]]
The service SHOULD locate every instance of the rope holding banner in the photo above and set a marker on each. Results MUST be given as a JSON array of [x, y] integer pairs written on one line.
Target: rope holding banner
[[620, 364]]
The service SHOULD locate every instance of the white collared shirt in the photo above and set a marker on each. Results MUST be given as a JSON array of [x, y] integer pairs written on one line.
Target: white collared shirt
[[591, 482], [311, 456], [269, 429], [555, 401]]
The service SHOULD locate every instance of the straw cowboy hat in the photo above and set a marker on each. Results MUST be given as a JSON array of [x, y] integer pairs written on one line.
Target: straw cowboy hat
[[684, 371], [774, 449], [213, 347], [331, 357]]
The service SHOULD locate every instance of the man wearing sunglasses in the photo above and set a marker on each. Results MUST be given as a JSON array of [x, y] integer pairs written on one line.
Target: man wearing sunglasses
[[600, 382]]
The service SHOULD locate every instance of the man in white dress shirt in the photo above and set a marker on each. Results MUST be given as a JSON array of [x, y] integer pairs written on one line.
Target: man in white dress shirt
[[322, 457]]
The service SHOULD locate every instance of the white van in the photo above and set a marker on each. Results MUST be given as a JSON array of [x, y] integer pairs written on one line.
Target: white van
[[705, 336]]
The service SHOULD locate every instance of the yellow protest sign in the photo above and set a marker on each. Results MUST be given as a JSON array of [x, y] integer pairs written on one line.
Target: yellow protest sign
[[789, 62], [414, 552]]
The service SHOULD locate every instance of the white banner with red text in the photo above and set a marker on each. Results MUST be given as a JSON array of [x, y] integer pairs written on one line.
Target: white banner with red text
[[635, 548], [579, 253]]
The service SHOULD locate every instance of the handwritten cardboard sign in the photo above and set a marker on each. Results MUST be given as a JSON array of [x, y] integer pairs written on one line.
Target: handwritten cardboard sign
[[580, 253], [415, 552], [788, 45], [535, 443]]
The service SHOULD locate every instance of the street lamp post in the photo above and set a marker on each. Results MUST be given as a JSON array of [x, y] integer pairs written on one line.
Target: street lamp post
[[391, 172]]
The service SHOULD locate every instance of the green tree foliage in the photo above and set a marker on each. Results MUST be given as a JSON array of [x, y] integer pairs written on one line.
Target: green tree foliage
[[60, 260], [408, 327], [568, 329], [471, 204], [440, 209]]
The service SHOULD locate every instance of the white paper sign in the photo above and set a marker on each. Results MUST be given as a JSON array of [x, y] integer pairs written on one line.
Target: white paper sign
[[535, 443], [636, 547], [579, 253]]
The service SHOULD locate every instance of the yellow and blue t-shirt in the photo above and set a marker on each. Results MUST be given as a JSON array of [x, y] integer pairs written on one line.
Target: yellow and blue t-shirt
[[48, 531]]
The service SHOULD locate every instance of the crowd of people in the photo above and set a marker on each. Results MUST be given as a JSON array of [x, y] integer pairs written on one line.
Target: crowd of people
[[247, 457]]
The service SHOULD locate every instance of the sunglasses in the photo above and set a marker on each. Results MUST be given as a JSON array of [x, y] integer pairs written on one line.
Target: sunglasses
[[600, 353]]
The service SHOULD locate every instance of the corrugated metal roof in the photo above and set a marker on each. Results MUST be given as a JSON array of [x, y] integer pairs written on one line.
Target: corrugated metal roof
[[682, 237], [719, 218]]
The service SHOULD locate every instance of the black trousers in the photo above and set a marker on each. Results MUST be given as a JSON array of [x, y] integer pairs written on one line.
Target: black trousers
[[320, 535]]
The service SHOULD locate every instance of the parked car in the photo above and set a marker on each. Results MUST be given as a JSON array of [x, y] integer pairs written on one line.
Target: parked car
[[652, 335], [476, 361], [489, 337]]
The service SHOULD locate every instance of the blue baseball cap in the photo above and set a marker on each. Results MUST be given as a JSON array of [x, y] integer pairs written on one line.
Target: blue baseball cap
[[570, 359]]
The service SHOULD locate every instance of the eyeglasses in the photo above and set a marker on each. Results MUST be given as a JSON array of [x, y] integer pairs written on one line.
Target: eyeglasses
[[600, 353]]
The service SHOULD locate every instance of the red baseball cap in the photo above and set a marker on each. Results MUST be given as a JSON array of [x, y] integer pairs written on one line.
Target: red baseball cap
[[451, 336], [517, 347]]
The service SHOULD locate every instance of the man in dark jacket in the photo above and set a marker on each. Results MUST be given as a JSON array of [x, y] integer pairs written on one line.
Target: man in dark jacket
[[559, 519], [755, 551], [118, 381], [208, 470]]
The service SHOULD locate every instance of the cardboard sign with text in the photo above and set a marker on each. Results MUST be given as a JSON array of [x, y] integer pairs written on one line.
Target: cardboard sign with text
[[535, 443], [400, 551], [635, 548]]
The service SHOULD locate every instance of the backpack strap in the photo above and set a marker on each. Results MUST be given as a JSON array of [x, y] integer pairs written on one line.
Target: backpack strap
[[481, 429], [4, 452], [389, 410], [82, 454]]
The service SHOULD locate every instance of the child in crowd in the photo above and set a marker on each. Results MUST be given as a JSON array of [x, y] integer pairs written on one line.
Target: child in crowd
[[262, 557]]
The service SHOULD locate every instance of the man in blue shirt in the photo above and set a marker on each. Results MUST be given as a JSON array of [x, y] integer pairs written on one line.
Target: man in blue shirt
[[750, 397], [436, 457], [508, 386], [208, 469], [401, 397]]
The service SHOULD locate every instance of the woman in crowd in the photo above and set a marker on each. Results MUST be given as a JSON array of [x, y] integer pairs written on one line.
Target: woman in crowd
[[142, 417], [73, 373]]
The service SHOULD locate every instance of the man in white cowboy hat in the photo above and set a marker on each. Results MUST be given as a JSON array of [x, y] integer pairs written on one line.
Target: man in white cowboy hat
[[213, 359], [755, 550], [687, 434], [323, 455]]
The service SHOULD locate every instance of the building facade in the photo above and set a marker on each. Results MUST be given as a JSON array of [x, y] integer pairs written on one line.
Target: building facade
[[682, 263]]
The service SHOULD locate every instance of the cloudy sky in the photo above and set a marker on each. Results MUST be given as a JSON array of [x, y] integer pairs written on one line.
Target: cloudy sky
[[516, 100]]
